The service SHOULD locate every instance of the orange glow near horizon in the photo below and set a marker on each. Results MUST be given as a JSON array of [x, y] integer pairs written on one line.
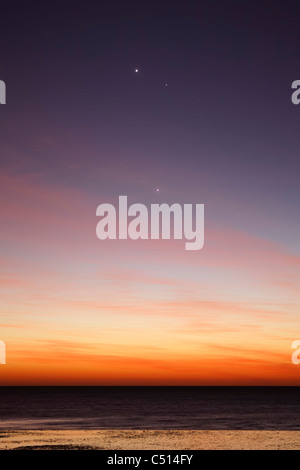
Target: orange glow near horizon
[[78, 311]]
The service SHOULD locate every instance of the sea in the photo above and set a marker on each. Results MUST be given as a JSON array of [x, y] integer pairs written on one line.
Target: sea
[[185, 408]]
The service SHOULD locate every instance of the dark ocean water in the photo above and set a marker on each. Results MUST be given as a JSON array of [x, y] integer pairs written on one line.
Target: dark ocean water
[[268, 408]]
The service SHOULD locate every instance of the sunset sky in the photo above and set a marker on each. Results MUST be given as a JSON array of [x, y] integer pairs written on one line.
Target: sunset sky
[[207, 118]]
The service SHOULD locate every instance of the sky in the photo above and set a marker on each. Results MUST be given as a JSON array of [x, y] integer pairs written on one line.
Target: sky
[[126, 98]]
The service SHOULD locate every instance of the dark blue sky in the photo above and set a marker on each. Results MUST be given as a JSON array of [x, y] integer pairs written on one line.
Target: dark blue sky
[[208, 118], [223, 128]]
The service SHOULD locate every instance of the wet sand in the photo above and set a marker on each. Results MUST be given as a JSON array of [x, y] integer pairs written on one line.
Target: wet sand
[[149, 440]]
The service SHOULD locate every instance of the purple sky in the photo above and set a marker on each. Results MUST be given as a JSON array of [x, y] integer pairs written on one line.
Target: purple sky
[[207, 118]]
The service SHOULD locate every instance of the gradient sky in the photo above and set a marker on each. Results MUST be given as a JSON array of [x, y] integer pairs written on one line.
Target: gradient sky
[[207, 118]]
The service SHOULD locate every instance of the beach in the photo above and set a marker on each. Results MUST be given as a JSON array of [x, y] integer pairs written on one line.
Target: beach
[[148, 440]]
